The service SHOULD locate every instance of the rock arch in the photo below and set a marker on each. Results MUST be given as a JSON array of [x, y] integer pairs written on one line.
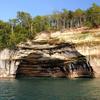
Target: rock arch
[[49, 60]]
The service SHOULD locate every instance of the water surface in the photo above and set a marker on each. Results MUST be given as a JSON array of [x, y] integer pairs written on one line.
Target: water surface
[[50, 89]]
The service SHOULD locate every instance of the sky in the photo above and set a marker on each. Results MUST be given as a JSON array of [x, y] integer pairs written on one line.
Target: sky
[[9, 8]]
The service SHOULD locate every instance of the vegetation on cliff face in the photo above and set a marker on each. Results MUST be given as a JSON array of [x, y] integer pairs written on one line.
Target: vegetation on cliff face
[[24, 26]]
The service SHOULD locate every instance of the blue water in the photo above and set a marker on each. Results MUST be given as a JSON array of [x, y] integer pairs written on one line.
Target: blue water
[[50, 89]]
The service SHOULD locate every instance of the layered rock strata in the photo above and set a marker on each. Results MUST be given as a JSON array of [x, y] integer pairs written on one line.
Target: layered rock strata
[[39, 59], [54, 60]]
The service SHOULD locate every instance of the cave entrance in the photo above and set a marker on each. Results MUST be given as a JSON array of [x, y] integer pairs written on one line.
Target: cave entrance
[[62, 60], [35, 65]]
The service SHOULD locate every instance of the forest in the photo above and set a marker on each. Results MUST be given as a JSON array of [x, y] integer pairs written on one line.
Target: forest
[[24, 26]]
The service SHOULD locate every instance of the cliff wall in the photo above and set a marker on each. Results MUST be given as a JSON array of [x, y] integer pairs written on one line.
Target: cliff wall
[[67, 54], [38, 59]]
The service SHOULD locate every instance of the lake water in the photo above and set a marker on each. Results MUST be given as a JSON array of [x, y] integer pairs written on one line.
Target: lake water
[[50, 89]]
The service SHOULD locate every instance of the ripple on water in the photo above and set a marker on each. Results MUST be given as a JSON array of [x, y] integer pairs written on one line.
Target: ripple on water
[[50, 89]]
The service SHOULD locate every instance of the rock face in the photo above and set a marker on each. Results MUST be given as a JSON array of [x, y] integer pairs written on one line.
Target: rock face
[[39, 59], [87, 42], [9, 61], [7, 65], [54, 60]]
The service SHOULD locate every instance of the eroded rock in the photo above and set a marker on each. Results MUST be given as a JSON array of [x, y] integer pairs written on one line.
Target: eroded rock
[[54, 60], [39, 59]]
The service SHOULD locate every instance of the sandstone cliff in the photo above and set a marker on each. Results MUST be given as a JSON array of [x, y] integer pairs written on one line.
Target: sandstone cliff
[[87, 42], [67, 54], [56, 60], [36, 58]]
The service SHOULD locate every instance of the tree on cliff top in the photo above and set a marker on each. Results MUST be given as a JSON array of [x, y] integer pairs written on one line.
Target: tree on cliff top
[[93, 15], [25, 27]]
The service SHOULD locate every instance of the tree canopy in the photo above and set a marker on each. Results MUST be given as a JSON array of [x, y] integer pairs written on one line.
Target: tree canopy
[[24, 26]]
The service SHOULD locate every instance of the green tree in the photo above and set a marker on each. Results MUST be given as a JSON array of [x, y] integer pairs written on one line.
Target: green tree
[[93, 16], [4, 34], [79, 17], [25, 20]]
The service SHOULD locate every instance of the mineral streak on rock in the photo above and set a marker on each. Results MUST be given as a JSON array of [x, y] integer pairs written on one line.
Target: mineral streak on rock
[[38, 59], [54, 60]]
